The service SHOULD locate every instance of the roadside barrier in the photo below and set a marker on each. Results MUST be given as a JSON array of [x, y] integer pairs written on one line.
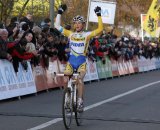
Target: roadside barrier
[[38, 79]]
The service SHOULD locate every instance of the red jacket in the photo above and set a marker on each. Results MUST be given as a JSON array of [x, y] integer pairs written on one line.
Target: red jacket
[[16, 51], [97, 45]]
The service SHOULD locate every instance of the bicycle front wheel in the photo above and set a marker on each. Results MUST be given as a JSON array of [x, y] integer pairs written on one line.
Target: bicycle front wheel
[[67, 109]]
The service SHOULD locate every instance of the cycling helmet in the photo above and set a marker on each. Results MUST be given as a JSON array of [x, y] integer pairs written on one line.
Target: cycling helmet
[[79, 19]]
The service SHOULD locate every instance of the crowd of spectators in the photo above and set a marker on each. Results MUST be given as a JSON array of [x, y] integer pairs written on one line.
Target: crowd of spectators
[[124, 47], [22, 41]]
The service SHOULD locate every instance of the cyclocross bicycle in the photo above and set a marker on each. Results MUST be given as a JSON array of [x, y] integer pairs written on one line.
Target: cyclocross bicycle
[[69, 103]]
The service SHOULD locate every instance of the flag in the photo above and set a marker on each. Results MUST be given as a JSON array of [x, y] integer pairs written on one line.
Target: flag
[[151, 21]]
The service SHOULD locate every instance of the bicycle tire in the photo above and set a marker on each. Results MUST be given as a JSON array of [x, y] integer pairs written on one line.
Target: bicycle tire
[[78, 115], [67, 109]]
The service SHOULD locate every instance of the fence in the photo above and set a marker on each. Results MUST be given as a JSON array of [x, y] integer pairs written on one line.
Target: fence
[[38, 79]]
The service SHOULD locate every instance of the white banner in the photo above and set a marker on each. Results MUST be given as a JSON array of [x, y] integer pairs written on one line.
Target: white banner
[[107, 11], [12, 85]]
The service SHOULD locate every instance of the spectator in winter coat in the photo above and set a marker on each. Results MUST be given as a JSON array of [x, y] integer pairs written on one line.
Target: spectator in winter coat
[[100, 49], [3, 45], [19, 54]]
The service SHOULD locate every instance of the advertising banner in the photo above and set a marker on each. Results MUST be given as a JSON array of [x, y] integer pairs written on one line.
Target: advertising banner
[[92, 70], [134, 62], [40, 78], [101, 69], [108, 67], [53, 67], [107, 11], [157, 63], [12, 84], [115, 71], [87, 76]]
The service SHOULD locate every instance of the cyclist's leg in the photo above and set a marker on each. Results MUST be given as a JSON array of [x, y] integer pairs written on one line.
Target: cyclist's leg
[[82, 71], [68, 71]]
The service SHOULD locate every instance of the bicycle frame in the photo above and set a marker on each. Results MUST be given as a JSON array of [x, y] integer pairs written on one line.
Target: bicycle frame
[[71, 89], [71, 82]]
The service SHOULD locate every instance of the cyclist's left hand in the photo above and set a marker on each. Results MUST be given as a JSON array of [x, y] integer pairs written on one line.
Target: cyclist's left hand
[[97, 10]]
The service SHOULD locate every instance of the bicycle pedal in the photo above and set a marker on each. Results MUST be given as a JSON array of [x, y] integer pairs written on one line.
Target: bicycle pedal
[[68, 109], [80, 109]]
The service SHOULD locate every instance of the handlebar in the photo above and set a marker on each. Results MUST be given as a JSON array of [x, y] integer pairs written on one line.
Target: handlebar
[[59, 74]]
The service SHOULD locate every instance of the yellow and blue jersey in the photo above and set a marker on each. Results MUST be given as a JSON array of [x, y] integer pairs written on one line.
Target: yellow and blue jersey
[[79, 42]]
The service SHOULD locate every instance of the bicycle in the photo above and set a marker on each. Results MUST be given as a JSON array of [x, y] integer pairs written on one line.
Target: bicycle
[[69, 102]]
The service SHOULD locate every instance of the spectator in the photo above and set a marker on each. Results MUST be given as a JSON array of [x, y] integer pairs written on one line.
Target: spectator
[[3, 45], [46, 23], [19, 54], [4, 34], [37, 31], [49, 50], [31, 48], [28, 19], [23, 27], [99, 48], [13, 29], [62, 55], [41, 40]]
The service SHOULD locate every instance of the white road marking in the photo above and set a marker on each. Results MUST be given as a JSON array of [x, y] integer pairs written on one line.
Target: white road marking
[[44, 125]]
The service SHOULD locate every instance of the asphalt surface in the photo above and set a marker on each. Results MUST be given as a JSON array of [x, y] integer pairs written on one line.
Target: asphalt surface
[[112, 104]]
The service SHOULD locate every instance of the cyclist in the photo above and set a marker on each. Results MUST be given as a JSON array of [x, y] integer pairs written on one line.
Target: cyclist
[[78, 42]]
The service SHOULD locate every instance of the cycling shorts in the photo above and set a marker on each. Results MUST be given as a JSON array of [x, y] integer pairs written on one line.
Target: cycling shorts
[[75, 63]]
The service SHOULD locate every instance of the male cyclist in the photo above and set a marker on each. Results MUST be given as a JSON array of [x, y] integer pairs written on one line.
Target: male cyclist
[[78, 41]]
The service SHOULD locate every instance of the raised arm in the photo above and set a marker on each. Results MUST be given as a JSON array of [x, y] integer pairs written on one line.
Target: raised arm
[[57, 23], [100, 23]]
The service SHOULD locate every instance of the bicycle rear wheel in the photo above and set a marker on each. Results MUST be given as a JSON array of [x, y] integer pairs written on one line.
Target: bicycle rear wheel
[[67, 109], [78, 114]]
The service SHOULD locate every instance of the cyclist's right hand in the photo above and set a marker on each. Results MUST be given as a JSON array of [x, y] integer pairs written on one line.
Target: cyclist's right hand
[[97, 10], [62, 8]]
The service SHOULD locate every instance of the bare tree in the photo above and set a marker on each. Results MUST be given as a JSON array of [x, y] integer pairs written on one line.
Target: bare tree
[[23, 8], [6, 7], [128, 11]]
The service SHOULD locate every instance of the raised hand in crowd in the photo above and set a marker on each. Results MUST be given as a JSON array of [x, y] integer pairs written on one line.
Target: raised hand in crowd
[[9, 57], [35, 53]]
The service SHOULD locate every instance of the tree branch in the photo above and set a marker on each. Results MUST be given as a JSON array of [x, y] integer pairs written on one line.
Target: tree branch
[[23, 8]]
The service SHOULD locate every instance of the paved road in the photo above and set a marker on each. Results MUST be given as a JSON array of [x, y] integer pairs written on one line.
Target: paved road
[[124, 103]]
